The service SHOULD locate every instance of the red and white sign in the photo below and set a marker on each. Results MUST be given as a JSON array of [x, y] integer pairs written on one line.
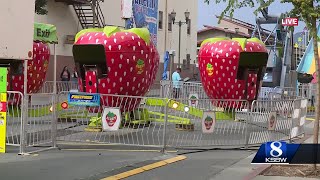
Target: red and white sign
[[111, 119], [64, 105], [290, 22]]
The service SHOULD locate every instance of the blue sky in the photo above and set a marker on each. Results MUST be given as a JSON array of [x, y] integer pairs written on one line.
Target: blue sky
[[207, 13]]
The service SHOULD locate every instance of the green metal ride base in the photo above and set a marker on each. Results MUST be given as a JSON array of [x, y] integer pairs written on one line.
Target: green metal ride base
[[192, 110], [15, 111]]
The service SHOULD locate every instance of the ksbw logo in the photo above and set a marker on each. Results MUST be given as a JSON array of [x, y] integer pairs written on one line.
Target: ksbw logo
[[276, 152]]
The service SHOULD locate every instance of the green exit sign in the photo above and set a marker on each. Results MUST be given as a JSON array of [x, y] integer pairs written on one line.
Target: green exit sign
[[3, 79]]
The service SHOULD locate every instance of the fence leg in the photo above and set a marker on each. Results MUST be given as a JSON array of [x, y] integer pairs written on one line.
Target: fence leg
[[24, 120], [164, 136], [54, 121], [249, 116]]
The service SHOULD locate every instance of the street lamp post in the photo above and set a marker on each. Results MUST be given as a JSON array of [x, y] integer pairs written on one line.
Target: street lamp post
[[180, 23]]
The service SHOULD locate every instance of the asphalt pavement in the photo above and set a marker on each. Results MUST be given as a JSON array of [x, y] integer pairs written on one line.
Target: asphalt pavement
[[198, 166], [67, 164]]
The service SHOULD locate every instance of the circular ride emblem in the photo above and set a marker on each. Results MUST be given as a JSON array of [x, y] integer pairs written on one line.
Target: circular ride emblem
[[272, 121], [208, 121], [140, 66], [193, 100], [209, 69], [111, 119]]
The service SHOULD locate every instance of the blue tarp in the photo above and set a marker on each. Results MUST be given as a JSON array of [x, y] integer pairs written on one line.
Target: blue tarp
[[165, 64]]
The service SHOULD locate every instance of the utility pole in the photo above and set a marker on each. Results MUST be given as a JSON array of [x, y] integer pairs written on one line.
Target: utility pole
[[166, 34], [94, 12], [179, 62]]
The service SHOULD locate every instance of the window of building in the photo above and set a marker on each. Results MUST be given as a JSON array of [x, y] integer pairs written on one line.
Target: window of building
[[160, 19], [16, 67], [189, 27], [169, 23], [188, 61]]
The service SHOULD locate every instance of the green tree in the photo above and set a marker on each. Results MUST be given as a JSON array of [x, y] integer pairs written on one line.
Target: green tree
[[307, 11], [41, 7]]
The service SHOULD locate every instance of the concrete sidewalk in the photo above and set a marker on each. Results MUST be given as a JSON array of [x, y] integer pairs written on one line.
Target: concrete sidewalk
[[243, 169]]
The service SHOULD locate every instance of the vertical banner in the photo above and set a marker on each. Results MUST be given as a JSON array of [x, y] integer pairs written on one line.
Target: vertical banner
[[208, 121], [165, 64], [3, 109], [111, 119], [145, 14]]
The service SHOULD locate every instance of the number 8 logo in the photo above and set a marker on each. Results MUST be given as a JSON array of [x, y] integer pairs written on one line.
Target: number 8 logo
[[276, 148]]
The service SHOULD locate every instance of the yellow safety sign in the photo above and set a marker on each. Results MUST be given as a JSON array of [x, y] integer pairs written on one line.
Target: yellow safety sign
[[3, 97], [3, 122]]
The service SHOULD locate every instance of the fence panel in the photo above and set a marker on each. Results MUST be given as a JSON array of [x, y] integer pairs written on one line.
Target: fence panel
[[61, 86], [299, 117], [142, 121], [206, 123], [155, 90], [183, 90], [14, 118], [38, 125], [270, 121]]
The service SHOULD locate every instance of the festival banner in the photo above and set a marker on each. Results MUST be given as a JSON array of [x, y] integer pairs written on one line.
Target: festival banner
[[145, 14]]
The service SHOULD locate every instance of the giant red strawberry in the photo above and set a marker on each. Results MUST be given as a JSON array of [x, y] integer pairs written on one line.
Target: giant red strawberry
[[132, 63], [219, 65], [37, 69]]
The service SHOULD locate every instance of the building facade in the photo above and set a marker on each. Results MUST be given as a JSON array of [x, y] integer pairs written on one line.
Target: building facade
[[63, 16]]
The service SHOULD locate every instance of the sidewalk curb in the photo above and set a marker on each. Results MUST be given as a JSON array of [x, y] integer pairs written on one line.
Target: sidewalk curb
[[146, 167], [263, 168]]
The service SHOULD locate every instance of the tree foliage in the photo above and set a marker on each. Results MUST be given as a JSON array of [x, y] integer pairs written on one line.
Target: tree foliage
[[307, 11], [41, 7], [303, 9]]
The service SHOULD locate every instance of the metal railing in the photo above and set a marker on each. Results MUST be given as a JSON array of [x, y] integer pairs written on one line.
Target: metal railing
[[152, 121]]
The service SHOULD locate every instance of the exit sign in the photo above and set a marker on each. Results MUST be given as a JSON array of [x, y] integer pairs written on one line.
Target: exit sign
[[290, 22]]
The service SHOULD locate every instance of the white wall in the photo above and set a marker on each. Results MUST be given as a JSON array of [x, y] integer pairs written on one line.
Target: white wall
[[64, 18], [188, 42]]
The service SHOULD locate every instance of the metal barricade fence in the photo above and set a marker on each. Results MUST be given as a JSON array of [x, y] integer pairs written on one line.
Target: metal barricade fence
[[183, 90], [158, 122], [143, 121], [161, 122], [38, 125], [14, 118], [270, 121], [61, 86], [206, 123], [155, 90]]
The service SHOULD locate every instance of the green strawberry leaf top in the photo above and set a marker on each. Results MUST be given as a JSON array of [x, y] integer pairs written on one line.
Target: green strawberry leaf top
[[110, 114], [243, 41], [208, 118], [140, 62], [209, 65], [110, 30]]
